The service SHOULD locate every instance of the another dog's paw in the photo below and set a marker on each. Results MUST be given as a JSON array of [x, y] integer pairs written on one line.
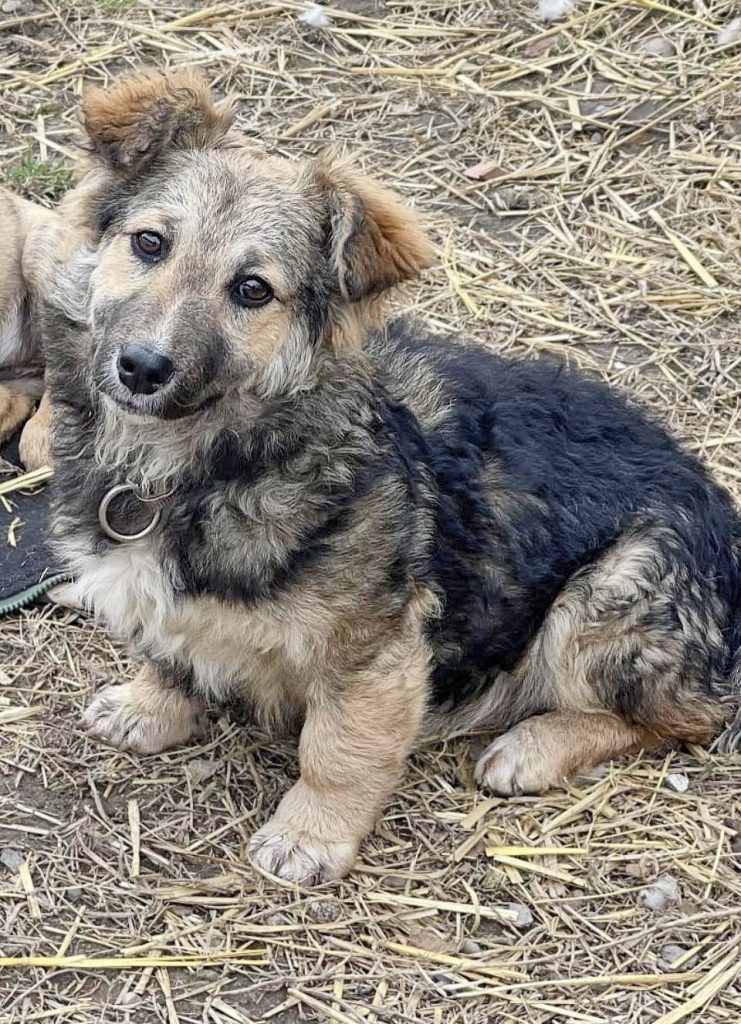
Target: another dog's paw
[[34, 446], [15, 408], [119, 716], [518, 763], [297, 856]]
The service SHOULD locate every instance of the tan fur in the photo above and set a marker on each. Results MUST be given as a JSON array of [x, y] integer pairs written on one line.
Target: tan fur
[[21, 282], [349, 325], [300, 658], [15, 408], [20, 219], [35, 443], [144, 715], [143, 114], [543, 752], [390, 249], [378, 244], [354, 742]]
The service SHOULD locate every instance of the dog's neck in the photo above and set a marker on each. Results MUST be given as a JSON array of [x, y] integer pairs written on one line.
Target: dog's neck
[[150, 453]]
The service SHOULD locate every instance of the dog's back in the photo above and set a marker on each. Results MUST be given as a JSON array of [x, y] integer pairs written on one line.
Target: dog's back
[[540, 473]]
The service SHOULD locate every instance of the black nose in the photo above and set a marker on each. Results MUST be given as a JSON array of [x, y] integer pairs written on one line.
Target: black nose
[[142, 370]]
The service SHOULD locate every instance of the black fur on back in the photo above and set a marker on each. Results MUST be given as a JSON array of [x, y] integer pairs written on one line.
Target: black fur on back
[[572, 466]]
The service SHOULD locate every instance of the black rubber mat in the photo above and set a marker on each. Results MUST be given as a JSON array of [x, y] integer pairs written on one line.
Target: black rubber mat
[[27, 566]]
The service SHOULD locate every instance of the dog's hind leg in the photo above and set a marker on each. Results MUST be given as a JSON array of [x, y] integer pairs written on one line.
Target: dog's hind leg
[[544, 751], [630, 653]]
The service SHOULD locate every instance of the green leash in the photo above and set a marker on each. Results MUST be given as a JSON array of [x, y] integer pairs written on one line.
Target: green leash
[[31, 594]]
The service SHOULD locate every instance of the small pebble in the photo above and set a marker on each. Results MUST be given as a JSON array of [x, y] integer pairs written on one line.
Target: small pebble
[[677, 781], [470, 946], [429, 939], [524, 915], [324, 911], [662, 894], [730, 34], [127, 999], [199, 770], [518, 199], [597, 137], [12, 859], [12, 6], [657, 46], [12, 949], [671, 953], [74, 894]]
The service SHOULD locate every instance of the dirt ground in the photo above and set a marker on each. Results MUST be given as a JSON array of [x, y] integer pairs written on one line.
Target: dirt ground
[[582, 181]]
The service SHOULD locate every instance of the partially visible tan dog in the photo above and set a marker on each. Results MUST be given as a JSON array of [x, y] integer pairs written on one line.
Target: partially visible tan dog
[[21, 359]]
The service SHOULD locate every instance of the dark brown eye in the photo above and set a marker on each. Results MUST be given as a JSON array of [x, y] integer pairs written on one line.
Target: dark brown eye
[[149, 246], [251, 292]]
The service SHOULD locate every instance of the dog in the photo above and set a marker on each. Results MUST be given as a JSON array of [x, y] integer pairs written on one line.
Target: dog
[[289, 505], [21, 358]]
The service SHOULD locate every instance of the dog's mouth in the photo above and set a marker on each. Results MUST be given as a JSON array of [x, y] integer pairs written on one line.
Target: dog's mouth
[[161, 407]]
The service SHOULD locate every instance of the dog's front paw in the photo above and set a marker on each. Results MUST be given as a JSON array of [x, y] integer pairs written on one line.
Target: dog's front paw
[[518, 763], [125, 718], [296, 855]]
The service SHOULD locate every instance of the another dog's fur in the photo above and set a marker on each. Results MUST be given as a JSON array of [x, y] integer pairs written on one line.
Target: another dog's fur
[[21, 359], [363, 528]]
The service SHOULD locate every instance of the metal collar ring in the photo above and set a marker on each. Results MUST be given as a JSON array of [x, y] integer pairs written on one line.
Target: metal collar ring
[[110, 531]]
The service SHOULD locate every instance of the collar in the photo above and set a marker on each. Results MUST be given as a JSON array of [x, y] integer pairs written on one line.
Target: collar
[[127, 493]]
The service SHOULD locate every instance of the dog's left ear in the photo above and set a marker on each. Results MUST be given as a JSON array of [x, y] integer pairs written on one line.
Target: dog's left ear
[[143, 114], [375, 241]]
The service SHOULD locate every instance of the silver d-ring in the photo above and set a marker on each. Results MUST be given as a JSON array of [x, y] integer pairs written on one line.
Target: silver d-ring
[[109, 530]]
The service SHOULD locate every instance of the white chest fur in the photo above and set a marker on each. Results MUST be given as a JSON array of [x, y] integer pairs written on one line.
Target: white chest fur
[[265, 654]]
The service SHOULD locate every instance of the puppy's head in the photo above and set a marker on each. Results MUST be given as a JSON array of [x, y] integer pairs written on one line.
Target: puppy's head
[[220, 269]]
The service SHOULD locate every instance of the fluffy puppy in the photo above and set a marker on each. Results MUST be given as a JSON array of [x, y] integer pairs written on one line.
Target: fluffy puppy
[[287, 505]]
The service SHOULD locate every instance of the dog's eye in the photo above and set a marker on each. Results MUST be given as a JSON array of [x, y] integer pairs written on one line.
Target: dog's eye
[[251, 292], [149, 246]]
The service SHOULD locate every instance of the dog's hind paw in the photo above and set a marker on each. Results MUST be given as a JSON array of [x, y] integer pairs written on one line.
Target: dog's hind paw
[[121, 716], [298, 857], [516, 763]]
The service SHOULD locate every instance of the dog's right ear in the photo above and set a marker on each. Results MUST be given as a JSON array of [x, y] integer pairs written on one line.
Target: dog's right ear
[[144, 114]]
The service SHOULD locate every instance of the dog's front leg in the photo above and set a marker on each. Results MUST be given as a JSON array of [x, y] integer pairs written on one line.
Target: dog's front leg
[[146, 714], [352, 750]]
